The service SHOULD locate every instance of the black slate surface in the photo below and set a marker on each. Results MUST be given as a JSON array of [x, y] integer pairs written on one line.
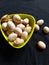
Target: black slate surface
[[30, 54]]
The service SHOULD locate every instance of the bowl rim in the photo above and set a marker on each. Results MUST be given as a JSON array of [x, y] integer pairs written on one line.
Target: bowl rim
[[23, 44]]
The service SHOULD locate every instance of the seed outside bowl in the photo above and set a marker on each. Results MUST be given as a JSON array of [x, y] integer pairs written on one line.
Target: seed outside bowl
[[32, 22]]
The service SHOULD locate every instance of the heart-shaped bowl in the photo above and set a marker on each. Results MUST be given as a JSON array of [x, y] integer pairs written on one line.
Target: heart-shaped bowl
[[31, 23]]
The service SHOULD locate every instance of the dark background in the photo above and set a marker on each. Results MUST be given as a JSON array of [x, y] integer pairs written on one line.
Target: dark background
[[29, 54]]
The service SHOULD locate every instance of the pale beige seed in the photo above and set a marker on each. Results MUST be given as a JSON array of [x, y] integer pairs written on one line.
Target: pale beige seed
[[27, 25], [4, 26], [41, 45], [10, 25], [4, 18], [10, 19], [24, 35], [18, 31], [17, 18], [25, 21], [22, 20], [12, 36], [21, 26], [18, 41], [28, 29], [37, 27], [40, 22], [46, 29]]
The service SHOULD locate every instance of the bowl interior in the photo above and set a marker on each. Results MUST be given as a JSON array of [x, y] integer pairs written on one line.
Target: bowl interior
[[32, 24]]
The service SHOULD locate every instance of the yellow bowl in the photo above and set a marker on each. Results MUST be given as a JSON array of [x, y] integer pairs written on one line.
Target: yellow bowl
[[32, 24]]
